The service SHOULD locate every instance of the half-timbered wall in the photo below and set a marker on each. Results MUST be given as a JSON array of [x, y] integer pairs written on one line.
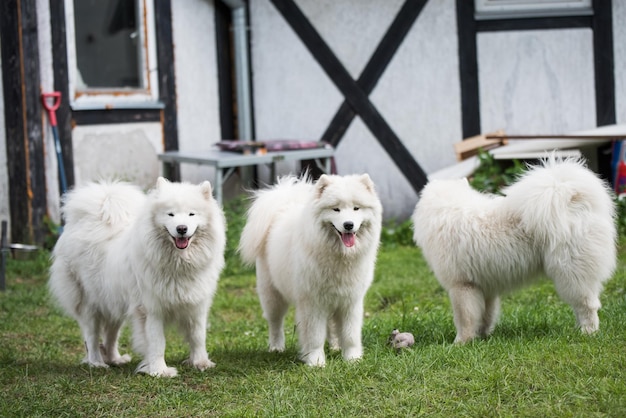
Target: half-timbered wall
[[391, 84]]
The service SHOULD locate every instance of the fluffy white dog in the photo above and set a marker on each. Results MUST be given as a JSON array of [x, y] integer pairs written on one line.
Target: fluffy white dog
[[157, 257], [315, 247], [557, 220]]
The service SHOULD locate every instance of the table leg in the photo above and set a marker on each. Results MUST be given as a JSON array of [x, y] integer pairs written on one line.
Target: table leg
[[218, 185], [167, 172], [171, 171]]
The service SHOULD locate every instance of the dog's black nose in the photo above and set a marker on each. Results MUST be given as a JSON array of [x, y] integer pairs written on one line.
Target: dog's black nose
[[348, 225], [181, 229]]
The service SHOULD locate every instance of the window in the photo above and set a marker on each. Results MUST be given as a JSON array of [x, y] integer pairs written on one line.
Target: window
[[507, 9], [111, 54]]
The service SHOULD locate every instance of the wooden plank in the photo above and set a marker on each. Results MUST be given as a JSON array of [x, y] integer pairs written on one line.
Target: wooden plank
[[604, 62], [115, 116], [538, 23], [468, 68], [470, 146], [223, 21], [23, 120], [61, 84], [167, 77]]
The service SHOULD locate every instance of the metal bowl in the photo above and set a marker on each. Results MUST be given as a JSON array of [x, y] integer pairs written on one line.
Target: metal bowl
[[23, 251]]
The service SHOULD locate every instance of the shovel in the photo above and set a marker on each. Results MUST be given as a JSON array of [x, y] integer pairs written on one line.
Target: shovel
[[51, 108]]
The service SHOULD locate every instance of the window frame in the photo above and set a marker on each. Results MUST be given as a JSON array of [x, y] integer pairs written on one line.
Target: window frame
[[146, 97]]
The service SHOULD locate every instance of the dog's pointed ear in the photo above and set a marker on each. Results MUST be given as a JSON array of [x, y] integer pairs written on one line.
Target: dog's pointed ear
[[206, 189], [161, 181], [321, 185], [367, 181]]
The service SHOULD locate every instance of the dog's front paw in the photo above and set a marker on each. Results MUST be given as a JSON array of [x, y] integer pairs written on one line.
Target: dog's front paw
[[201, 365], [277, 348], [114, 358], [94, 363], [119, 360], [353, 354], [315, 358], [157, 371], [589, 329]]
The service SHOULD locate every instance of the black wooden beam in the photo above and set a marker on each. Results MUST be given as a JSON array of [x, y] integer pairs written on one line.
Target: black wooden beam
[[375, 67], [167, 77], [604, 65], [354, 95], [223, 40], [106, 116], [23, 120], [468, 68], [566, 22], [61, 84]]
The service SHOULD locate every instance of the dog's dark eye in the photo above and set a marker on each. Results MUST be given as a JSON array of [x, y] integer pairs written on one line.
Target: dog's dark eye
[[192, 214], [356, 208], [336, 209], [170, 214]]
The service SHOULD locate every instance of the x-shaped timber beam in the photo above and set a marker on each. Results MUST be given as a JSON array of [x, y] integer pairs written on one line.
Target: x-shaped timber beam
[[356, 92]]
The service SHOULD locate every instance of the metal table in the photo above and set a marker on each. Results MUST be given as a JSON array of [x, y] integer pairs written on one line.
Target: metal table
[[225, 163]]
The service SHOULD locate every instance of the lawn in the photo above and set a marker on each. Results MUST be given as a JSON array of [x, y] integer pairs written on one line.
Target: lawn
[[535, 364]]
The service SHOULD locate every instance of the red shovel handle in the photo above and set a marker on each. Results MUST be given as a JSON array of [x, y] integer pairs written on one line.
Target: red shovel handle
[[51, 108]]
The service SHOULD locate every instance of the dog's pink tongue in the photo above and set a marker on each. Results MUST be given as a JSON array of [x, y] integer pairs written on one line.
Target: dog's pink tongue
[[348, 239], [182, 243]]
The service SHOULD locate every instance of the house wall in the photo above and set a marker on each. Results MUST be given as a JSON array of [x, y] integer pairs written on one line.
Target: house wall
[[418, 94], [537, 82], [129, 151], [531, 81]]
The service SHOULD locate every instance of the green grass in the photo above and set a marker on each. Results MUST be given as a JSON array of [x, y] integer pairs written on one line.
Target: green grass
[[535, 364]]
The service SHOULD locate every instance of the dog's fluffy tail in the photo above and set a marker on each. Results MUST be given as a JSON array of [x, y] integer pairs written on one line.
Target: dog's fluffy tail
[[267, 206], [561, 200], [102, 209]]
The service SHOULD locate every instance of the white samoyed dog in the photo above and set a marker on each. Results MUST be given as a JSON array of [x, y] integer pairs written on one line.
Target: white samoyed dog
[[315, 247], [157, 257], [557, 220]]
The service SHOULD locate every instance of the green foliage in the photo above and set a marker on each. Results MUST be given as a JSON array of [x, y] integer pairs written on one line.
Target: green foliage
[[492, 175], [396, 234], [620, 206], [235, 212], [53, 230]]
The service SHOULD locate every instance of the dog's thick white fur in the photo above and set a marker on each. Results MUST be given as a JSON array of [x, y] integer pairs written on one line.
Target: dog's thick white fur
[[315, 247], [157, 257], [557, 220]]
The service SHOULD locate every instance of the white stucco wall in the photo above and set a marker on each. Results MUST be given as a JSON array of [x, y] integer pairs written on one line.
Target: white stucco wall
[[537, 82], [117, 152], [418, 94], [196, 81]]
